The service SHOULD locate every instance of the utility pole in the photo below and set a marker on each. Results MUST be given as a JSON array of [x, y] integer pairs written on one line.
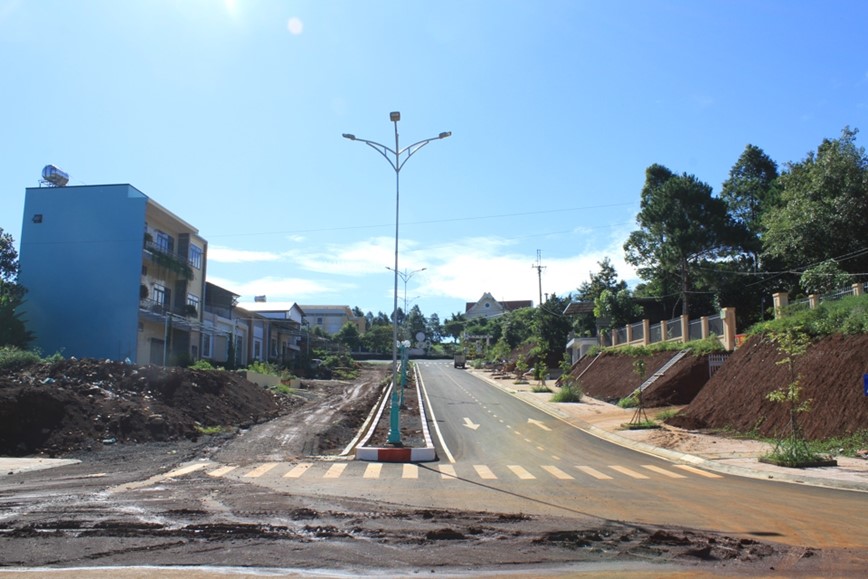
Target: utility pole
[[539, 267]]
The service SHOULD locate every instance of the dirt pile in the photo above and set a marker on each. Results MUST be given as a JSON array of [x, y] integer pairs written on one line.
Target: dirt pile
[[78, 404], [612, 376], [831, 377]]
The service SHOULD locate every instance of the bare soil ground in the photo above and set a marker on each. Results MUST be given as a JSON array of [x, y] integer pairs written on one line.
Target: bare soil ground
[[71, 407]]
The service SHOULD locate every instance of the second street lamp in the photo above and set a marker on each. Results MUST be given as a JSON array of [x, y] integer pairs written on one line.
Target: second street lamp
[[396, 158], [405, 277]]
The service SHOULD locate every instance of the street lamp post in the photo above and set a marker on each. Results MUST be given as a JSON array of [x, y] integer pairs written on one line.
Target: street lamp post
[[406, 276], [396, 158]]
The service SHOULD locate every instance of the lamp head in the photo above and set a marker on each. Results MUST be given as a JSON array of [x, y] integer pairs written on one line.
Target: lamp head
[[395, 116], [444, 134], [349, 136]]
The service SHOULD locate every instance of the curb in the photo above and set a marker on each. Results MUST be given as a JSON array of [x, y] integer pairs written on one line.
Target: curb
[[397, 454], [682, 457]]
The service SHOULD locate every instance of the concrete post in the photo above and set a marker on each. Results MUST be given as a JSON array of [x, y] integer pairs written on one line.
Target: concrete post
[[629, 333], [813, 301], [685, 328], [857, 289], [703, 325], [729, 331], [646, 332], [781, 300]]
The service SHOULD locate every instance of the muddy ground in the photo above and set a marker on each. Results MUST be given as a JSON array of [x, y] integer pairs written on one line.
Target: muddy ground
[[67, 518]]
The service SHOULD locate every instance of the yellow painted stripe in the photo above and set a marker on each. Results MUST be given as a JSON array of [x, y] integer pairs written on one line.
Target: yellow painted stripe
[[594, 473], [556, 472], [335, 470], [628, 472], [697, 471], [520, 472], [447, 471], [298, 470], [484, 472], [663, 471], [186, 469], [410, 471], [222, 471], [260, 470], [373, 470]]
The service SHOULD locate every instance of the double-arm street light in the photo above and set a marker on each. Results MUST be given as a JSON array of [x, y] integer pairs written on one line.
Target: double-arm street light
[[396, 157], [406, 276]]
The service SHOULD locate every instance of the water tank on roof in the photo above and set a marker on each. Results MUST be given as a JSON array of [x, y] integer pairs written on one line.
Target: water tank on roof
[[55, 176]]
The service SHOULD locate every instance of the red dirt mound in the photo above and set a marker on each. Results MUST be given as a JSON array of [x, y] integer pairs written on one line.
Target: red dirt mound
[[612, 377], [831, 376], [75, 404]]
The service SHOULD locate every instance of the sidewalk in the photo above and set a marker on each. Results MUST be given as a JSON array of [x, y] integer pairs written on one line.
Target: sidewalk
[[715, 453]]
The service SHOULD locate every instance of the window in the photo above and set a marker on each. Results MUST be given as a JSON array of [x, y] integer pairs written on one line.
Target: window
[[192, 305], [257, 350], [196, 256], [206, 345], [164, 242], [161, 294]]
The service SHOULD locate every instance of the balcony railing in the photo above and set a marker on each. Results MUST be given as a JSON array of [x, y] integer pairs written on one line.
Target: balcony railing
[[171, 261]]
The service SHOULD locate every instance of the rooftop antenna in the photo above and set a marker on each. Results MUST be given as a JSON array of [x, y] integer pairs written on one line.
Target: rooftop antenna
[[539, 267]]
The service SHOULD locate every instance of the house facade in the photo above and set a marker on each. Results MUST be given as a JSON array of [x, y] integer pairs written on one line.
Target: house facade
[[110, 273], [276, 332], [488, 307], [332, 318]]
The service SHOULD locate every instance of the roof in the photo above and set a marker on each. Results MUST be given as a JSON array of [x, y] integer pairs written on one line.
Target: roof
[[575, 308]]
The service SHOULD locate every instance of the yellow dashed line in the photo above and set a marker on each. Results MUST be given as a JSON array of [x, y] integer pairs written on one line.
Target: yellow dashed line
[[373, 470], [335, 470], [410, 471], [260, 470], [222, 471], [298, 470], [697, 471], [663, 471], [186, 470], [628, 472]]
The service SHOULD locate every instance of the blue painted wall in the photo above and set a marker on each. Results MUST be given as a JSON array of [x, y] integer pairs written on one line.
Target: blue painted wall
[[82, 268]]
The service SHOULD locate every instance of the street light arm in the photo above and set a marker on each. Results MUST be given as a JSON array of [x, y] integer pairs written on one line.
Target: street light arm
[[378, 147], [412, 149]]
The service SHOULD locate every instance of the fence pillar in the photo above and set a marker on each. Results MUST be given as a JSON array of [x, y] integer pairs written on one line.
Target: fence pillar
[[781, 300], [813, 301], [629, 328], [685, 328], [646, 332], [857, 289], [727, 315], [614, 337], [703, 325]]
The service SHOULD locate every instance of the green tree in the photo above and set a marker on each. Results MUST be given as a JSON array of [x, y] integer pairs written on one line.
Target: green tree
[[12, 329], [823, 209], [681, 225], [824, 278], [553, 328], [454, 326], [414, 323], [617, 308], [350, 337], [605, 279], [750, 191], [518, 326], [434, 330], [378, 339]]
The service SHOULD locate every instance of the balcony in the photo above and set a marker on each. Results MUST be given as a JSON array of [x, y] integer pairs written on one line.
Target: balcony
[[167, 260]]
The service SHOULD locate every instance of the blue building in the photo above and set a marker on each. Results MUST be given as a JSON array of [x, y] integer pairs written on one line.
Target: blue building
[[112, 274]]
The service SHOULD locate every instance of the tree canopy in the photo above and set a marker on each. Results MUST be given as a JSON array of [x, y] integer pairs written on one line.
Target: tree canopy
[[12, 329]]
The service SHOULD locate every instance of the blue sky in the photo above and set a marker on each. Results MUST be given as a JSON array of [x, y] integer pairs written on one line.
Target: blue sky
[[230, 114]]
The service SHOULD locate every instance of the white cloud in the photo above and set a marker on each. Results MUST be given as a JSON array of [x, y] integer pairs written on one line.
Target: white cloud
[[222, 254], [281, 288]]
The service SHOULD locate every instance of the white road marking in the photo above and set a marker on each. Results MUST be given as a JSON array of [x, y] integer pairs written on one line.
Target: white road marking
[[260, 470], [222, 471], [628, 472], [298, 470], [663, 471], [410, 471], [447, 471], [556, 472], [484, 472], [594, 472], [373, 470], [335, 470], [520, 472], [697, 471]]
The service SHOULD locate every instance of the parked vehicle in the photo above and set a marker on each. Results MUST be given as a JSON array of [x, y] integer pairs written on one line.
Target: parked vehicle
[[460, 360]]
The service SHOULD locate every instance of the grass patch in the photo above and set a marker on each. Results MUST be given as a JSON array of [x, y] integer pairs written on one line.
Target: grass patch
[[709, 345], [644, 425], [845, 316], [209, 430], [12, 359], [282, 389], [631, 401], [540, 388], [568, 393], [666, 414]]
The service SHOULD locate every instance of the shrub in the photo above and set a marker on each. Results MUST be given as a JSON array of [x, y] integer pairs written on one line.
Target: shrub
[[12, 359], [202, 364], [540, 388], [569, 392], [845, 316], [631, 401]]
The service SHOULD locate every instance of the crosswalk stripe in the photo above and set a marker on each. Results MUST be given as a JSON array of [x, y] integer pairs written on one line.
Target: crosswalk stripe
[[298, 470], [410, 471], [447, 471], [186, 470], [335, 470], [628, 472], [689, 468], [222, 471], [260, 470], [556, 472], [594, 472], [520, 472], [484, 472], [663, 471], [373, 470]]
